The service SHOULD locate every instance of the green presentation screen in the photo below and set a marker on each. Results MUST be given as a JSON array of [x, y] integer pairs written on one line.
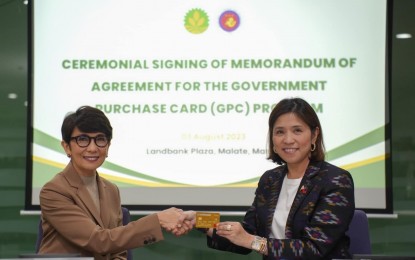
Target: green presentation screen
[[188, 87]]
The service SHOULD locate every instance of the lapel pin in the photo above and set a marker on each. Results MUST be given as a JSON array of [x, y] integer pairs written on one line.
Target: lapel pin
[[303, 190]]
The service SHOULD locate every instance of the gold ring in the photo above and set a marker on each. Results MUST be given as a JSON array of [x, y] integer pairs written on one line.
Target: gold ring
[[228, 227]]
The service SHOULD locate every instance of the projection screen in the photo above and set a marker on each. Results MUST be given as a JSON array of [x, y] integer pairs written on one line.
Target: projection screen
[[188, 87]]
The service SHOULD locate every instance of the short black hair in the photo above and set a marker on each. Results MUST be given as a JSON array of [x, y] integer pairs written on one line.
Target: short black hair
[[87, 119]]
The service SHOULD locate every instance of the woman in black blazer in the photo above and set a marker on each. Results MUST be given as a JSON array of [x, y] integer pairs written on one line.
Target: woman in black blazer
[[302, 208]]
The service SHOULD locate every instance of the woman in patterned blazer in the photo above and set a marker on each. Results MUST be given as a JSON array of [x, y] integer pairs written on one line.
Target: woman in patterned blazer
[[302, 209]]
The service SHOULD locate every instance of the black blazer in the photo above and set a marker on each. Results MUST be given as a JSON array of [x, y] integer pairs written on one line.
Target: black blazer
[[318, 220]]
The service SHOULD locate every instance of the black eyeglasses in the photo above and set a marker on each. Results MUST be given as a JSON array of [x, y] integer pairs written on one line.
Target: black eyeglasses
[[84, 140]]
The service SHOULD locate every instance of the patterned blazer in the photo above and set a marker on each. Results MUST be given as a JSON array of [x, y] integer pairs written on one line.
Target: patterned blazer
[[72, 224], [318, 219]]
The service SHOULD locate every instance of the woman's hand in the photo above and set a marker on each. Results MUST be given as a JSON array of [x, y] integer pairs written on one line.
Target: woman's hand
[[235, 233], [177, 221]]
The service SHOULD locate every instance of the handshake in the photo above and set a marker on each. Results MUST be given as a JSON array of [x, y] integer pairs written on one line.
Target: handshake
[[177, 221]]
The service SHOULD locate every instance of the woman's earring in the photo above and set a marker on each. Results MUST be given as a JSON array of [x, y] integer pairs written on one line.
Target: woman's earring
[[275, 150], [69, 155], [313, 147]]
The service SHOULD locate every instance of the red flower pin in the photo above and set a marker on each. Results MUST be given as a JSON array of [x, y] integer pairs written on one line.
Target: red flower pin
[[303, 190]]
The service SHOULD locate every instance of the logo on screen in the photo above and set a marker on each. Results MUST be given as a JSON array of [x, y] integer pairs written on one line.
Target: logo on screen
[[229, 21], [196, 21]]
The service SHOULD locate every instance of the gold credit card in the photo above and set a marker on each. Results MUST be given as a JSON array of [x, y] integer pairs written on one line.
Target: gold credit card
[[207, 219]]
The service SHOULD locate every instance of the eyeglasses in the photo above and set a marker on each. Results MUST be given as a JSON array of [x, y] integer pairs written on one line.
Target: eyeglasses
[[84, 140]]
